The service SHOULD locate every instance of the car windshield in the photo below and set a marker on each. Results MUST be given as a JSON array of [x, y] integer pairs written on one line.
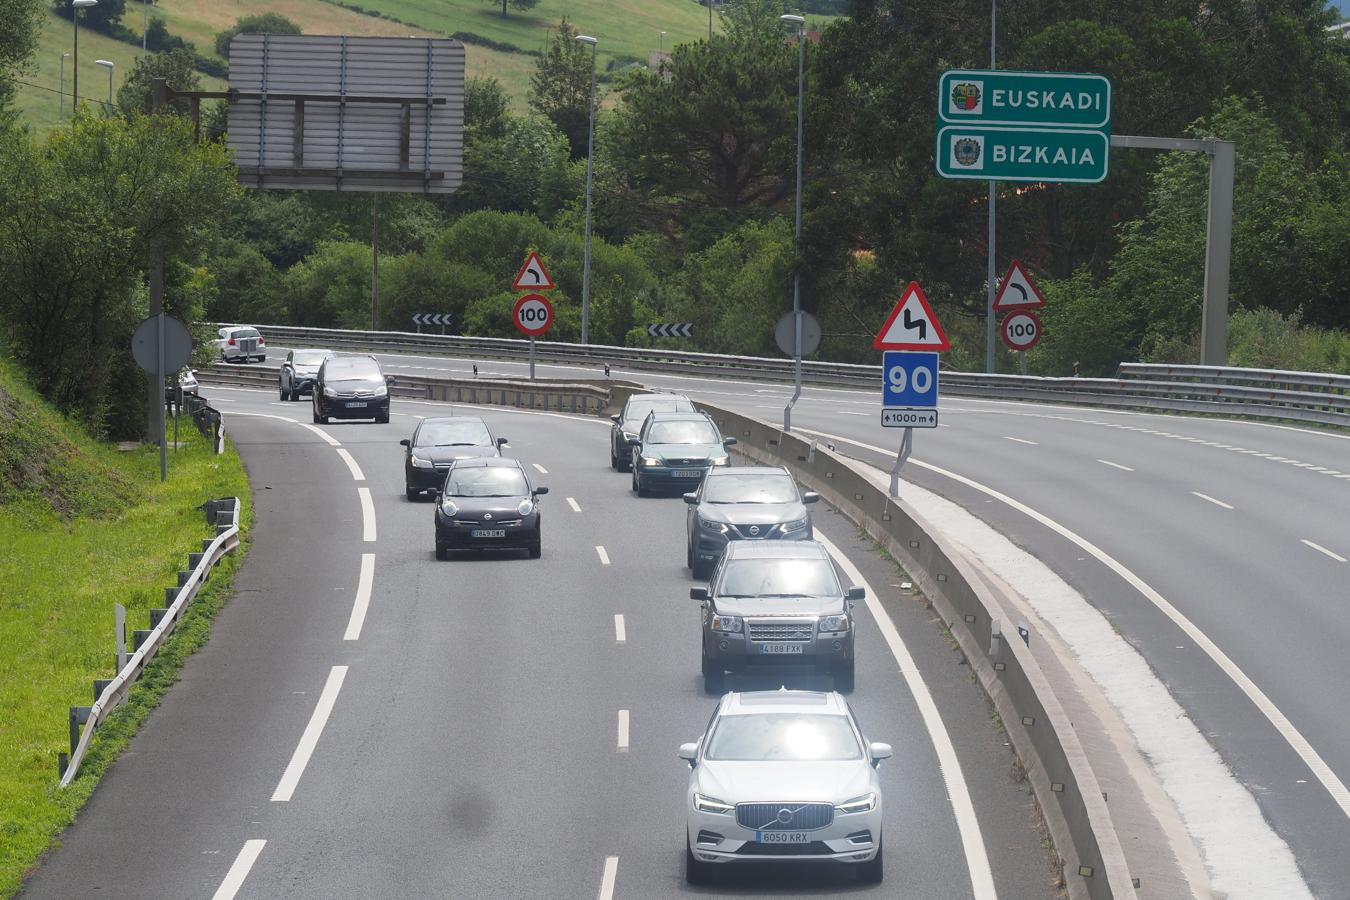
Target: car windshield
[[310, 357], [244, 333], [453, 434], [784, 737], [682, 433], [638, 409], [768, 487], [486, 481], [351, 370], [778, 578]]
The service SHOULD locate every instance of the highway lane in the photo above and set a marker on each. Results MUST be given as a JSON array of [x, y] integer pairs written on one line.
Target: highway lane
[[1264, 580], [472, 745]]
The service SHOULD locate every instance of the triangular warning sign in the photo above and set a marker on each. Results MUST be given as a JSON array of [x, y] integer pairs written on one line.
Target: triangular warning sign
[[1018, 291], [533, 276], [912, 325]]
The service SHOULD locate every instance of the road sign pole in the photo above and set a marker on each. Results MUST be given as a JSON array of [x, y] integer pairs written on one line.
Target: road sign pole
[[993, 200], [159, 397], [532, 359], [901, 457], [1023, 354], [1218, 255]]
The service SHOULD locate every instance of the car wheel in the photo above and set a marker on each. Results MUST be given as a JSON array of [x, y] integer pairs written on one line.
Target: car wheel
[[614, 458], [536, 548], [714, 679], [701, 569], [295, 396], [382, 420], [689, 556], [285, 394], [843, 677], [695, 872], [871, 872], [413, 494], [319, 419], [442, 552]]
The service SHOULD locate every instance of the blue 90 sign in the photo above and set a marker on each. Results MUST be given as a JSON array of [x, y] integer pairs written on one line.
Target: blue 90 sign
[[909, 379]]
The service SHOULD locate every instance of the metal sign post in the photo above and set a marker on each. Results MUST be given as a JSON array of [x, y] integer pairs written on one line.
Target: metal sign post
[[911, 338], [901, 457], [532, 359]]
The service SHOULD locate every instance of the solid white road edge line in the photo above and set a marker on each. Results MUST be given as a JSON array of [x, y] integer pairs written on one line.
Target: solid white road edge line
[[620, 630], [1115, 465], [542, 470], [363, 589], [332, 441], [367, 515], [243, 864], [1242, 851], [357, 474], [1320, 549], [623, 730], [607, 879], [972, 842], [310, 739], [1212, 500], [604, 557], [573, 503]]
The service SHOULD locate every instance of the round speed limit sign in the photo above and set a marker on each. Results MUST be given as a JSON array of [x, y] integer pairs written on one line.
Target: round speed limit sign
[[1021, 329], [533, 314]]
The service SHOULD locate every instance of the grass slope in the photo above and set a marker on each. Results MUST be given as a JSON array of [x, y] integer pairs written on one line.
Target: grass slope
[[60, 575]]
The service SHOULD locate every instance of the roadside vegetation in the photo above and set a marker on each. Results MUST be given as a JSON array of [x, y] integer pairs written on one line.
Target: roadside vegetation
[[83, 526]]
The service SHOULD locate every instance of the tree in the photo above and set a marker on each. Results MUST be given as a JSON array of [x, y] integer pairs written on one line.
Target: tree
[[521, 5], [20, 31], [265, 23], [560, 88], [486, 105], [100, 17], [331, 287], [506, 172], [175, 67]]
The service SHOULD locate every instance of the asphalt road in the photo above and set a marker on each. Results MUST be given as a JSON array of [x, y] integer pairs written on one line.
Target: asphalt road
[[1242, 527], [458, 728]]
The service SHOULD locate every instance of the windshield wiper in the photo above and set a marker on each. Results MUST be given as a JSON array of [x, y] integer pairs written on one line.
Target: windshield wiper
[[460, 444], [781, 596]]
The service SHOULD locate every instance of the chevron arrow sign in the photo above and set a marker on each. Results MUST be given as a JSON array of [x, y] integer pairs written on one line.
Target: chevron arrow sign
[[432, 318], [671, 329]]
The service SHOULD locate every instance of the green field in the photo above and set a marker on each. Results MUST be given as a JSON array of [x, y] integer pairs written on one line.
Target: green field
[[59, 579]]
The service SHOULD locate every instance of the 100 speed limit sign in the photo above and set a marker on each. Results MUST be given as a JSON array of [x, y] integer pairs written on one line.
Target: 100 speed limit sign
[[533, 314], [1021, 330]]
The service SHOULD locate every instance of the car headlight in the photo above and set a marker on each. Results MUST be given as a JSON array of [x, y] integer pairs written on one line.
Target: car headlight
[[420, 463], [728, 624], [720, 460], [865, 803], [651, 461], [381, 390], [709, 525], [798, 524], [704, 803], [449, 508], [834, 624], [525, 508], [329, 392]]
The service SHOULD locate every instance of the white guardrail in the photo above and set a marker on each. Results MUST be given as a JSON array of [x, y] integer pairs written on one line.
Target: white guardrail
[[1306, 397], [224, 515]]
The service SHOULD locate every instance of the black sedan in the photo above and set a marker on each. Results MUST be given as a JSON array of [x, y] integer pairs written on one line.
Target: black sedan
[[439, 443], [488, 504]]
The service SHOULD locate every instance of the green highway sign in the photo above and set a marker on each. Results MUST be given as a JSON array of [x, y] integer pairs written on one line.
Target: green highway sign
[[1035, 99], [982, 153]]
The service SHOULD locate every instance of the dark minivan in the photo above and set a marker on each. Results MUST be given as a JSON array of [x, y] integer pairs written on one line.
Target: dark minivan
[[351, 387]]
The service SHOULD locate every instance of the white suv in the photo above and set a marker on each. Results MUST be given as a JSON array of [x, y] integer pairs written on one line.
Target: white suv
[[783, 776]]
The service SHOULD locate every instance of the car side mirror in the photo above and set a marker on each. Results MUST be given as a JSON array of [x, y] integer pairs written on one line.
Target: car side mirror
[[502, 442], [810, 497], [541, 490], [616, 419], [691, 499], [879, 751], [635, 442], [856, 593], [193, 371], [390, 379], [689, 753], [406, 443], [729, 442], [699, 593]]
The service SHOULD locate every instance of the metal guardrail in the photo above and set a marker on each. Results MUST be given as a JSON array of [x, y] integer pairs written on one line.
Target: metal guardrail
[[1306, 397], [224, 515]]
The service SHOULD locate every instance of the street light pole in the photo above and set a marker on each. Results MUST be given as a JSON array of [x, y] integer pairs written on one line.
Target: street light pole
[[800, 23], [75, 7], [663, 42], [64, 56], [107, 64], [590, 169]]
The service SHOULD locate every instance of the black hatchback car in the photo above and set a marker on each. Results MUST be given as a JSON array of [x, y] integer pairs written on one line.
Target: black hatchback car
[[351, 387], [439, 443], [488, 504]]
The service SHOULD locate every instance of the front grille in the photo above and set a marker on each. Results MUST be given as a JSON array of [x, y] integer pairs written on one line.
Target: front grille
[[781, 631], [755, 532], [770, 816], [686, 462], [815, 848]]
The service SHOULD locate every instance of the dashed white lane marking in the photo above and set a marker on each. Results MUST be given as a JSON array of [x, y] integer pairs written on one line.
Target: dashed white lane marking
[[363, 590], [1115, 465], [357, 474], [243, 864], [332, 441], [367, 515], [1320, 549], [623, 730], [849, 412], [972, 841], [540, 469], [310, 739], [573, 503], [608, 877], [1212, 500], [620, 630], [1021, 441], [604, 557]]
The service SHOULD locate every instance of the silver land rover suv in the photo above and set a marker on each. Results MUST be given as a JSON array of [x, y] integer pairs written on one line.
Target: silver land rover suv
[[776, 604]]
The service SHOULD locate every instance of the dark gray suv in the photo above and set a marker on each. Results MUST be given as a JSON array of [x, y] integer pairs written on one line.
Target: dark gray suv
[[775, 604], [628, 423], [751, 503], [674, 450]]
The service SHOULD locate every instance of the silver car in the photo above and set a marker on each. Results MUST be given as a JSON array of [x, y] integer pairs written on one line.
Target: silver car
[[298, 372], [734, 503], [783, 777]]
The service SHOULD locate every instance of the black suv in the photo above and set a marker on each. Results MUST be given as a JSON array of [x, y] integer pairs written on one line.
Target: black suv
[[628, 423], [351, 387]]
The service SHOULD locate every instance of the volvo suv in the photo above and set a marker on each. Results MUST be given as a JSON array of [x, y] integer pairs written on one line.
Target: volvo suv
[[783, 777], [752, 503], [776, 604], [351, 387], [628, 423], [674, 450]]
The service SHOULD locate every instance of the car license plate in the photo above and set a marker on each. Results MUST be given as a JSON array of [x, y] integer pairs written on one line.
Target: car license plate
[[688, 473], [356, 404], [780, 648], [782, 837], [488, 532]]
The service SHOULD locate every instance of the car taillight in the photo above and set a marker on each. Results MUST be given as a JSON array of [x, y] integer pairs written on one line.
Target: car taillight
[[261, 341], [230, 342]]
